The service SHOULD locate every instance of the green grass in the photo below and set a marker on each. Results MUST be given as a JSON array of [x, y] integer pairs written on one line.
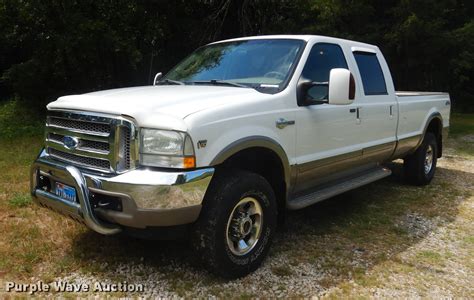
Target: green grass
[[461, 124], [17, 121], [20, 200], [465, 149], [430, 256], [462, 130]]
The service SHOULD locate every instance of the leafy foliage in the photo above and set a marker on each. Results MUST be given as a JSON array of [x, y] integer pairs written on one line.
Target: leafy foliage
[[52, 48]]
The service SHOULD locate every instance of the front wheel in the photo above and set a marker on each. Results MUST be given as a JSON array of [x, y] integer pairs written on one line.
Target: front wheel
[[421, 165], [238, 219]]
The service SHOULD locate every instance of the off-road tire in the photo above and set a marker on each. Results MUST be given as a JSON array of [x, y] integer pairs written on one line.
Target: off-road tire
[[414, 164], [210, 230]]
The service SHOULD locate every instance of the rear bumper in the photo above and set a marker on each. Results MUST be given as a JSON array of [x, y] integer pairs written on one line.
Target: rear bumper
[[143, 198]]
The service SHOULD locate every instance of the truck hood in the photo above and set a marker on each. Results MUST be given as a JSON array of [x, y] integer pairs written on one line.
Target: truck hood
[[147, 104]]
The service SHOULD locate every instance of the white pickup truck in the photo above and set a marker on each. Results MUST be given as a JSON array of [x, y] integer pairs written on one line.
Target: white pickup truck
[[237, 133]]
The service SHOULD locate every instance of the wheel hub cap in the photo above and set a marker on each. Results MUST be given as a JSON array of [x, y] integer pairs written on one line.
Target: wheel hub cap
[[244, 226], [429, 159]]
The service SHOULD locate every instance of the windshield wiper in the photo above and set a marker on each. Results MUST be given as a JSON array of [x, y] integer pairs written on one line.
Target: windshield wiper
[[170, 81], [220, 82]]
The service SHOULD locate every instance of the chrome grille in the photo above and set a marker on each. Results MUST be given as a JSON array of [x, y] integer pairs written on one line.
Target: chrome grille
[[94, 145], [83, 161], [95, 142], [80, 125], [125, 147], [55, 137], [83, 144]]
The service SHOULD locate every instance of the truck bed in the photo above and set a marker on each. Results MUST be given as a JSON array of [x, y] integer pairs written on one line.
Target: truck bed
[[415, 108]]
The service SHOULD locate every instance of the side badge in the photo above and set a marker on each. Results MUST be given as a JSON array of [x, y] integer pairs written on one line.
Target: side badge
[[201, 144]]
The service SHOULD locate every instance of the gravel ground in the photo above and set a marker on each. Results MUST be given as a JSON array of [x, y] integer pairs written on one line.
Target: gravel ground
[[430, 256]]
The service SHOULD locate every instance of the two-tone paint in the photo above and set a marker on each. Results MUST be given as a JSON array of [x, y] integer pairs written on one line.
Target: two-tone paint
[[316, 144]]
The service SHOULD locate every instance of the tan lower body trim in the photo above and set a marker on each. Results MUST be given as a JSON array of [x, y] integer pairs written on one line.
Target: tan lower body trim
[[319, 172]]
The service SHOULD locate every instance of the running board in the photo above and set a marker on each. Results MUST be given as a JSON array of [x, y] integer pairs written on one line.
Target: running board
[[339, 188]]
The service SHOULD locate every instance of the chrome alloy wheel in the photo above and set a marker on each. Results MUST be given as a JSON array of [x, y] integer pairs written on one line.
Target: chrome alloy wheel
[[429, 159], [244, 226]]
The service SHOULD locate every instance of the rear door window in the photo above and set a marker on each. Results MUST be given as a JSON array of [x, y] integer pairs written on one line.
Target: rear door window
[[371, 73]]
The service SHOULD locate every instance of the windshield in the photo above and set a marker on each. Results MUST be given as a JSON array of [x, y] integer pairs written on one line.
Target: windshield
[[254, 63]]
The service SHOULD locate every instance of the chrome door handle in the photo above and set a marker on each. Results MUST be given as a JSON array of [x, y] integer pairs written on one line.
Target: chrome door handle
[[282, 123]]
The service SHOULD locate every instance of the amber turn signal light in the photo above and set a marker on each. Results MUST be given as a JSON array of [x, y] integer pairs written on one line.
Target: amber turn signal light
[[189, 162]]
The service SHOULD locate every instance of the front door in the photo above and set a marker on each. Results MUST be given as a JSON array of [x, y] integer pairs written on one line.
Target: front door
[[328, 138]]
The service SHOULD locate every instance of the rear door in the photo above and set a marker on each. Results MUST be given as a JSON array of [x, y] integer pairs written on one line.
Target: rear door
[[378, 106]]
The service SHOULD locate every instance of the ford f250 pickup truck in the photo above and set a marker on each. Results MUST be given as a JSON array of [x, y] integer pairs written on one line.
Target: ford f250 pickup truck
[[238, 132]]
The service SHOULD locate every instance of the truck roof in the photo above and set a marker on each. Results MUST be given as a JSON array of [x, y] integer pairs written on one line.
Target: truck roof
[[304, 37]]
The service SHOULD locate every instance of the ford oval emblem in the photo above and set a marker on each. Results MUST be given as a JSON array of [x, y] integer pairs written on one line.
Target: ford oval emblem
[[70, 142]]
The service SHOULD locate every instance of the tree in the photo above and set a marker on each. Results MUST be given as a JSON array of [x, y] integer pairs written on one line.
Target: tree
[[51, 48]]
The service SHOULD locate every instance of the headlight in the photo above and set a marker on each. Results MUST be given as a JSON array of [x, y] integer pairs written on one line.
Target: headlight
[[166, 148]]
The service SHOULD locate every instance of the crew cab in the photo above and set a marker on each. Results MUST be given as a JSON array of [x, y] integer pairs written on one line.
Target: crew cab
[[236, 134]]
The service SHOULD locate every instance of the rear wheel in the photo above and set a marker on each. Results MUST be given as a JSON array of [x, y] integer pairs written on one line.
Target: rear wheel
[[420, 166], [235, 229]]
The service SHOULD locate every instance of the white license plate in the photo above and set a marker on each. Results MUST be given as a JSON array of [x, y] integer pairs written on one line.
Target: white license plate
[[66, 192]]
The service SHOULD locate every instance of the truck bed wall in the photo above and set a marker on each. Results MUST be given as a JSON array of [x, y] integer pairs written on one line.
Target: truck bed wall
[[415, 111]]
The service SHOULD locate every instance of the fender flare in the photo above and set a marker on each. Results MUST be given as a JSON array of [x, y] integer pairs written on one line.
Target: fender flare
[[256, 142], [435, 115]]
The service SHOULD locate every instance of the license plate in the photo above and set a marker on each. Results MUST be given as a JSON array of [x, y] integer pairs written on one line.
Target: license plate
[[66, 192]]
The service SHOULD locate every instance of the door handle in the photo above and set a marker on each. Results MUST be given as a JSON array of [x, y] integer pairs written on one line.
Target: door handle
[[282, 123], [358, 121]]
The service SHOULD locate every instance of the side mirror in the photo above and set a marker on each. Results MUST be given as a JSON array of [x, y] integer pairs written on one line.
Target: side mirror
[[302, 96], [157, 78], [341, 87]]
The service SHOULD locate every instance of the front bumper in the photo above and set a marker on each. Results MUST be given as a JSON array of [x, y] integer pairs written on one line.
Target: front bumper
[[143, 198]]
